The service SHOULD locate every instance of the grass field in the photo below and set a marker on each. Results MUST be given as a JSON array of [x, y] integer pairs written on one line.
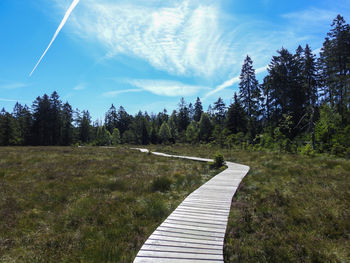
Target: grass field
[[65, 204], [289, 208]]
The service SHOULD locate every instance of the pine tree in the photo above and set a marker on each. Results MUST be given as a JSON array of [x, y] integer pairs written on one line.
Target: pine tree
[[111, 119], [115, 137], [236, 117], [335, 66], [55, 122], [183, 116], [8, 129], [67, 126], [84, 127], [192, 132], [164, 133], [124, 120], [198, 110], [42, 127], [205, 128], [249, 92], [249, 95], [219, 112]]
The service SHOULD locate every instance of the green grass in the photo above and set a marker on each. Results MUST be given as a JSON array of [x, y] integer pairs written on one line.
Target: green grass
[[289, 208], [65, 204]]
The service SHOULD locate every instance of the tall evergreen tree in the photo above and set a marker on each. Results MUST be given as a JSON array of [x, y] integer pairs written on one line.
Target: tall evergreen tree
[[183, 116], [219, 111], [67, 126], [250, 96], [249, 92], [236, 117], [205, 128], [111, 119], [84, 127], [124, 120], [335, 66], [198, 110]]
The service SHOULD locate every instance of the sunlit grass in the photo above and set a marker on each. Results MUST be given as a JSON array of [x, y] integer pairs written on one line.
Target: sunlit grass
[[65, 204], [289, 208]]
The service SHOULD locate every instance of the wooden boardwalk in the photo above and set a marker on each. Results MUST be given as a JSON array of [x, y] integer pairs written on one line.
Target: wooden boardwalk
[[195, 230]]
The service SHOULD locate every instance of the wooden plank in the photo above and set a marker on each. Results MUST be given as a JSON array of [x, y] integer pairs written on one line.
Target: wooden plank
[[195, 231], [179, 255]]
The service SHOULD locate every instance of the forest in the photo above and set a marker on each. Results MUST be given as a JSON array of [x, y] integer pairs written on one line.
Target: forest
[[301, 106]]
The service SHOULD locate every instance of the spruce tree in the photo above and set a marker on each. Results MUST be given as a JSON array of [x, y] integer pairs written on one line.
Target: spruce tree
[[236, 117], [205, 128], [249, 95], [335, 66], [198, 110], [111, 119]]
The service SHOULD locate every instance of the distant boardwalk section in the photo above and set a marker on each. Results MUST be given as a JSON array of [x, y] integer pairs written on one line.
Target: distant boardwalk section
[[195, 231]]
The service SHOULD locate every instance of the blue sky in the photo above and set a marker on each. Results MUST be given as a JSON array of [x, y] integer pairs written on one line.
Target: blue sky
[[147, 54]]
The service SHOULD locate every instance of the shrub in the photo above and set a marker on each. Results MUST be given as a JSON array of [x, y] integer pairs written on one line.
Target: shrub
[[338, 149], [156, 207], [218, 161], [307, 150], [161, 183]]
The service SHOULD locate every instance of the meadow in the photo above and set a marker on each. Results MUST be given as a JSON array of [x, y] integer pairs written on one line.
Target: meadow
[[67, 204], [289, 208]]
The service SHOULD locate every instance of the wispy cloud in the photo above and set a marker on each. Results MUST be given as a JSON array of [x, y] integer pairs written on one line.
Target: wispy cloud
[[14, 85], [80, 86], [230, 83], [177, 37], [311, 16], [63, 22], [115, 93], [166, 87], [8, 100]]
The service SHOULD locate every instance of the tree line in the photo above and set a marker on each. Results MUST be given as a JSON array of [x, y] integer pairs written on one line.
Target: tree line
[[302, 104]]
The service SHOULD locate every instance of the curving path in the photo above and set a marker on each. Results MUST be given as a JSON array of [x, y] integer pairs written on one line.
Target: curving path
[[195, 230]]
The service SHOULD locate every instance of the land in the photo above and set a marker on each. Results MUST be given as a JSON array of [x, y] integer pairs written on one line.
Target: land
[[289, 208], [66, 204]]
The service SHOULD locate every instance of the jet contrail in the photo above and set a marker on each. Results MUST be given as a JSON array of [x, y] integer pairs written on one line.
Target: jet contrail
[[64, 20]]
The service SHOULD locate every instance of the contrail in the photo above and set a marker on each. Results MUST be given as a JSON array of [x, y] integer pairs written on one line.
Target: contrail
[[64, 20]]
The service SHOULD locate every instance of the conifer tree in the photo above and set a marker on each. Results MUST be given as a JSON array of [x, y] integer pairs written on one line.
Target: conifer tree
[[164, 133], [205, 128], [249, 95], [236, 117], [198, 110], [335, 66], [111, 119]]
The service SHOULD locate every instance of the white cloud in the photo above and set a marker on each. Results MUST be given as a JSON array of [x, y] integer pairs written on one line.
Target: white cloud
[[312, 16], [14, 85], [115, 93], [8, 100], [80, 86], [166, 87], [178, 37], [230, 83]]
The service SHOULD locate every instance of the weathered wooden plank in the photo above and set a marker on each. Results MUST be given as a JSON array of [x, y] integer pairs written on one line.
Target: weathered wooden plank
[[173, 260], [195, 231], [179, 255]]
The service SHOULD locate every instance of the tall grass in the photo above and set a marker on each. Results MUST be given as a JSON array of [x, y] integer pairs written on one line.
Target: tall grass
[[289, 208], [65, 204]]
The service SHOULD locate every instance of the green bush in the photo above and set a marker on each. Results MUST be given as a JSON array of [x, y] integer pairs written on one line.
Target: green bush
[[161, 183], [218, 161], [338, 150], [307, 150]]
